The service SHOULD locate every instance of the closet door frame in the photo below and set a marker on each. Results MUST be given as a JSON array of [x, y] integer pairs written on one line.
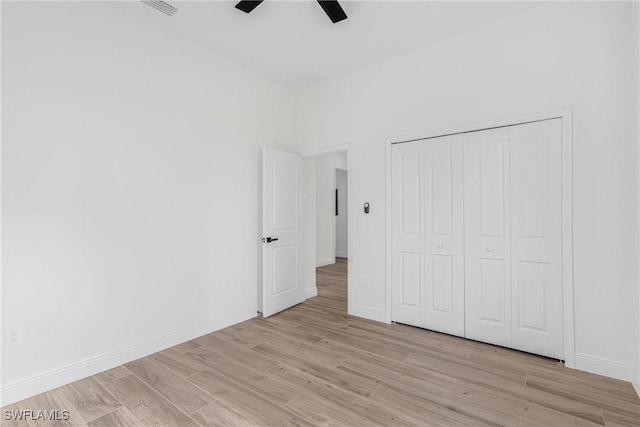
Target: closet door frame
[[566, 114]]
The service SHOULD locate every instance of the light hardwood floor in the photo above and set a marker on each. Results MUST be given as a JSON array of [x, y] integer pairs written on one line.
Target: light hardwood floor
[[314, 365]]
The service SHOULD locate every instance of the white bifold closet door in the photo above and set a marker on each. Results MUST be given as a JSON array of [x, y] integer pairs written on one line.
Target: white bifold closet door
[[408, 233], [537, 324], [487, 217], [428, 264], [513, 251], [476, 229]]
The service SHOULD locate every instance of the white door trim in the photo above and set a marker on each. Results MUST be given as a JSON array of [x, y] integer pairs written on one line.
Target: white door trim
[[328, 150], [566, 114], [332, 149]]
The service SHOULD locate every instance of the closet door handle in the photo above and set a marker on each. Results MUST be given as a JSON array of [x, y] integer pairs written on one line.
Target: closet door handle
[[440, 246], [489, 249]]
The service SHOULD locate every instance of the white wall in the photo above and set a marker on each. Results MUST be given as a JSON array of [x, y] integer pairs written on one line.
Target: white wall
[[310, 226], [341, 218], [130, 176], [325, 205], [557, 55]]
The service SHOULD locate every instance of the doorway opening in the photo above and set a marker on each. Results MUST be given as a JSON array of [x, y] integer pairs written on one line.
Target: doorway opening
[[327, 227]]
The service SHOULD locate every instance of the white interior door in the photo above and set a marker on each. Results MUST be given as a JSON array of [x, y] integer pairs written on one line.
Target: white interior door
[[487, 236], [536, 237], [444, 238], [408, 233], [282, 207]]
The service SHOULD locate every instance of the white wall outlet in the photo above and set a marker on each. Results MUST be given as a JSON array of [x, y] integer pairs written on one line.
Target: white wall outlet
[[365, 281], [199, 292], [13, 336], [225, 287]]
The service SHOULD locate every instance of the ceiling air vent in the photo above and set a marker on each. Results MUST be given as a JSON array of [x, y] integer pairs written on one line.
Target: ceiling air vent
[[163, 7]]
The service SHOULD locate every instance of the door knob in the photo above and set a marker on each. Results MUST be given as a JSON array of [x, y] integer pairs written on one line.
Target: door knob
[[489, 249], [268, 239], [440, 246]]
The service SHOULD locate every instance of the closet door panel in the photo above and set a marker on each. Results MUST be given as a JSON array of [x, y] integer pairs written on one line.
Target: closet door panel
[[444, 239], [536, 197], [487, 236], [492, 287], [408, 233]]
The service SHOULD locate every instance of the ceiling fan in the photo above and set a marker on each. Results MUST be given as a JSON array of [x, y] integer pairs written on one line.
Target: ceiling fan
[[331, 7]]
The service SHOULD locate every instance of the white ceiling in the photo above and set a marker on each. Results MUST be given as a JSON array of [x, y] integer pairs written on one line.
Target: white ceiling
[[283, 38]]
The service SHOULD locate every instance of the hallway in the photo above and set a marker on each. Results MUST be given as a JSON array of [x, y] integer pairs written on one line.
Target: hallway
[[331, 281]]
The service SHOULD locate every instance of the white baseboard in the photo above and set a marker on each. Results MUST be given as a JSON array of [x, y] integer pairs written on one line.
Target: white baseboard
[[367, 312], [606, 367], [323, 262], [636, 377], [311, 292], [54, 378], [341, 254]]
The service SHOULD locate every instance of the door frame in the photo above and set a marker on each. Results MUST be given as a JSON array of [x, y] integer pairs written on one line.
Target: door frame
[[566, 114], [333, 149]]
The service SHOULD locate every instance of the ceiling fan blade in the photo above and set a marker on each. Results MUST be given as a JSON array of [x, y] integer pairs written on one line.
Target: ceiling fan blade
[[333, 10], [248, 5]]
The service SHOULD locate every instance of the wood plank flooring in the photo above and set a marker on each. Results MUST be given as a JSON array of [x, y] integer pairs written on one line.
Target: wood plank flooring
[[315, 365]]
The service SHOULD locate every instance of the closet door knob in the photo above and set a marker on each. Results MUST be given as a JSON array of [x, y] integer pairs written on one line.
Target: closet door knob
[[489, 249], [440, 246]]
